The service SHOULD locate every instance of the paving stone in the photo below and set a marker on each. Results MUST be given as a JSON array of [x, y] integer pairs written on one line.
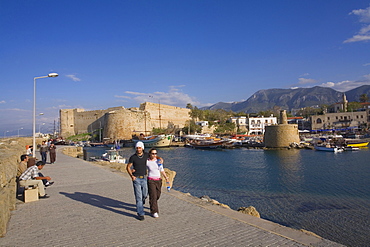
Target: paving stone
[[90, 205]]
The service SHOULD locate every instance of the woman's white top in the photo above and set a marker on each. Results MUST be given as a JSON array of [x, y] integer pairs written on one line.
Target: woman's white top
[[154, 168]]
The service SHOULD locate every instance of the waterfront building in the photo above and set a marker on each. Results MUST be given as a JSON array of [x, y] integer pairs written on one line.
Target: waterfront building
[[338, 118], [253, 125], [341, 120]]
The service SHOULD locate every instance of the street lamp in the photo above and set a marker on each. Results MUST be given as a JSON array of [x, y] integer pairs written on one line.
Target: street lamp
[[40, 128], [18, 131], [5, 133], [34, 110]]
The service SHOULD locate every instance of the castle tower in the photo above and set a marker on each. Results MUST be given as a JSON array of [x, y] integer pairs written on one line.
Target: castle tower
[[281, 135]]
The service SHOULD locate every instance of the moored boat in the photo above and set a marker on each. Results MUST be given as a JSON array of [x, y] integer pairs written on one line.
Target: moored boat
[[328, 148], [112, 155], [351, 148], [358, 144], [206, 144], [157, 141]]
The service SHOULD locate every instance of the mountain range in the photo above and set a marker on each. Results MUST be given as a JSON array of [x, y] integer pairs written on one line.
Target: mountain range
[[289, 99]]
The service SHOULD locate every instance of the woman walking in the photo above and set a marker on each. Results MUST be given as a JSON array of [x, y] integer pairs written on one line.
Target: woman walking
[[155, 169]]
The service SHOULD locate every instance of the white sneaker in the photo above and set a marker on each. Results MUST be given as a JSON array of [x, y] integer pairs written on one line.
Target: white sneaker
[[155, 215]]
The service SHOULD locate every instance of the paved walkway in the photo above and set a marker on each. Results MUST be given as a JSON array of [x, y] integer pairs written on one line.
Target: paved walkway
[[94, 206]]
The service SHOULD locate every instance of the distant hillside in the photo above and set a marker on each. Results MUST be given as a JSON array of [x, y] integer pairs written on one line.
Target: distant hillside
[[354, 94], [291, 99]]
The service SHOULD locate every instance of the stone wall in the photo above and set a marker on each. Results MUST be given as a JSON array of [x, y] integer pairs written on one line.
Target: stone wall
[[124, 123], [78, 121], [10, 151], [281, 136], [121, 123], [166, 116]]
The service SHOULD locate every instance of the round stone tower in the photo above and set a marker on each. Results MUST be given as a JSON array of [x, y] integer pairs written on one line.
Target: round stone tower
[[281, 135]]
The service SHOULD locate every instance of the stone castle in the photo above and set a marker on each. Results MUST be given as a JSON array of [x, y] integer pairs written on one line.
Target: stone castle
[[282, 134], [119, 123]]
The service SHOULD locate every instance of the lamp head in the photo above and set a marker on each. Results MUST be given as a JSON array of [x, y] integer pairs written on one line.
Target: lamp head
[[53, 75]]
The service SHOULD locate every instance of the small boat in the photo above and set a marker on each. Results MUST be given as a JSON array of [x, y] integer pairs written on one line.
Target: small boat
[[157, 141], [351, 148], [358, 144], [113, 155], [206, 144], [328, 148]]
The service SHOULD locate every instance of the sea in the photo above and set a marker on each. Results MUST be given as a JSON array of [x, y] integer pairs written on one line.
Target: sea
[[322, 192]]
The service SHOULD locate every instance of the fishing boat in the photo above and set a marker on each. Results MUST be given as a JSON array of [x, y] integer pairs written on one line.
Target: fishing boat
[[113, 155], [328, 148], [157, 141], [329, 144], [351, 148], [206, 144], [356, 143]]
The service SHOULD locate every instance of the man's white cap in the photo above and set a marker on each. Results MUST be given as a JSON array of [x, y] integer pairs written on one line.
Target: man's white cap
[[140, 144]]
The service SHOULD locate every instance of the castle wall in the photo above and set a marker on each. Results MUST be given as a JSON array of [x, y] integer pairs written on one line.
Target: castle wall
[[120, 123], [166, 116], [281, 136], [125, 123], [78, 121]]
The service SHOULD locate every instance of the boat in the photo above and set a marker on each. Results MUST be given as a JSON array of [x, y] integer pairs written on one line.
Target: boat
[[156, 141], [206, 144], [328, 148], [351, 148], [113, 155], [359, 144]]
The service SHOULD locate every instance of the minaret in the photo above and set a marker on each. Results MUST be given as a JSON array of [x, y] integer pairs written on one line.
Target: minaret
[[345, 103]]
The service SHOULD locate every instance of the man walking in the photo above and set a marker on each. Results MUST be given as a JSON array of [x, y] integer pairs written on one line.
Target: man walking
[[43, 151], [136, 168]]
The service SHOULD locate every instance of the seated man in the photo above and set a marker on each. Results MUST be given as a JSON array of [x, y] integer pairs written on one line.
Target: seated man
[[31, 177], [22, 166]]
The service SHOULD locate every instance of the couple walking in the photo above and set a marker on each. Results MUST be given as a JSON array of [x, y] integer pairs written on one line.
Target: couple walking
[[137, 167]]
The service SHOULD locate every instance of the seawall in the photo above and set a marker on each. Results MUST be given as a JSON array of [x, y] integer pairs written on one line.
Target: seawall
[[10, 151]]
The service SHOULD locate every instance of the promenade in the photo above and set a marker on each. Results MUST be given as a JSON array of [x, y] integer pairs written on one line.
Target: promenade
[[90, 205]]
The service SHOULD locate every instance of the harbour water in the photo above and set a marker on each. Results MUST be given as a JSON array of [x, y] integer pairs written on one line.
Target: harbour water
[[323, 192]]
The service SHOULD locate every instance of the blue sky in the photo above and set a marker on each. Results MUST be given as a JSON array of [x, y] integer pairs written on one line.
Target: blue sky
[[118, 53]]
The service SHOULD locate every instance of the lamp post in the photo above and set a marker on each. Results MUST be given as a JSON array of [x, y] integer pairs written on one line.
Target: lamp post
[[34, 110], [159, 111], [18, 131], [5, 133], [40, 128]]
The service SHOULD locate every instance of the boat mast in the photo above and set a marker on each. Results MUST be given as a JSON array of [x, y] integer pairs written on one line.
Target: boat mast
[[159, 111]]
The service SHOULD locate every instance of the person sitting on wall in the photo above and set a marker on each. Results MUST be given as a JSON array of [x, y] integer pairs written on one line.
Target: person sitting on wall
[[22, 166], [31, 177], [29, 151]]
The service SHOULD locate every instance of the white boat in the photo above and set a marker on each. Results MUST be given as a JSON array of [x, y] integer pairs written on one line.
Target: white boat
[[197, 136], [349, 148], [112, 155], [328, 148], [157, 141]]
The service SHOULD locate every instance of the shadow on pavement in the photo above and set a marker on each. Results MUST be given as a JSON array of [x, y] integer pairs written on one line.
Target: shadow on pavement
[[102, 202]]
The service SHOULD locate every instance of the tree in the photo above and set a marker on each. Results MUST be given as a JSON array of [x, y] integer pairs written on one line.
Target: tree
[[193, 127], [225, 128], [353, 106], [364, 98], [189, 106]]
